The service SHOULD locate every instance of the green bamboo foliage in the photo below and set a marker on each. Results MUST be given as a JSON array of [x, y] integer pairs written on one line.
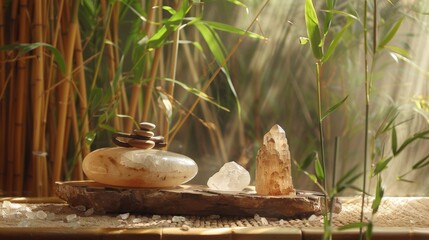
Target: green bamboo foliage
[[72, 72]]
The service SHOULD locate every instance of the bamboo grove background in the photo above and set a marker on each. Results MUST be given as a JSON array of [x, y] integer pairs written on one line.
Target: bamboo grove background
[[72, 72]]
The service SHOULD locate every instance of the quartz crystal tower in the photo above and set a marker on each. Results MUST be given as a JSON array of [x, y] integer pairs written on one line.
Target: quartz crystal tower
[[273, 165]]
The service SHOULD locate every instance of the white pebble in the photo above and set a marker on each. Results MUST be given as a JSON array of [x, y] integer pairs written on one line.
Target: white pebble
[[41, 215], [51, 216], [312, 218], [24, 223], [30, 215], [264, 221], [178, 219], [123, 216], [156, 217], [282, 222], [6, 204], [137, 220], [185, 227], [71, 217], [89, 212], [257, 217]]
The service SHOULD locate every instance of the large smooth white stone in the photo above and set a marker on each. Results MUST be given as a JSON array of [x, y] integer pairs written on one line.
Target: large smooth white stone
[[131, 167], [231, 177]]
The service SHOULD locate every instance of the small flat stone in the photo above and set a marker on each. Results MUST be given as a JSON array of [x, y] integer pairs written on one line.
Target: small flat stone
[[130, 167], [143, 144], [144, 133], [147, 126]]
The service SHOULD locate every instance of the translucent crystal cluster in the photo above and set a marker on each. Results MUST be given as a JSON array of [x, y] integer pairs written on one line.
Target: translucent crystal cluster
[[231, 177]]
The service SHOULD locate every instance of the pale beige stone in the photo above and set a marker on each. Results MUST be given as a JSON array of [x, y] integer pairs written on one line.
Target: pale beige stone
[[273, 165], [132, 167]]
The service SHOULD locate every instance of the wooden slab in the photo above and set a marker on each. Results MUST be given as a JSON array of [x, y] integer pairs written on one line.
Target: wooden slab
[[189, 200]]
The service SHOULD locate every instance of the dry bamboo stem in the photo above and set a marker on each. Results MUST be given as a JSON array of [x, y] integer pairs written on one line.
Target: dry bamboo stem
[[3, 106], [38, 99], [64, 93], [83, 111], [150, 84], [77, 171], [11, 133], [20, 111]]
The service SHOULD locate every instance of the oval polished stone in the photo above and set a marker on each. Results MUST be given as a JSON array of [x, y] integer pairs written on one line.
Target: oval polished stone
[[145, 168], [144, 133], [143, 144], [147, 126]]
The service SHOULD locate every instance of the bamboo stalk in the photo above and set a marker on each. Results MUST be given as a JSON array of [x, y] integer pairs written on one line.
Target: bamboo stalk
[[38, 99], [20, 111], [3, 106], [64, 93], [77, 158], [83, 101], [150, 84]]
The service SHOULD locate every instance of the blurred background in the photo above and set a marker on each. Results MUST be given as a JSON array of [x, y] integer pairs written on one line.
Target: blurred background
[[104, 63]]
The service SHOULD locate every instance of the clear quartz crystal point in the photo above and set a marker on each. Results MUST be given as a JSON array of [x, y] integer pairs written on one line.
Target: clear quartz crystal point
[[231, 177]]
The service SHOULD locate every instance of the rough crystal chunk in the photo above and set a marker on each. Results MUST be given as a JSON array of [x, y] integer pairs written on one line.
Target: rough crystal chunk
[[273, 165], [231, 177], [131, 167]]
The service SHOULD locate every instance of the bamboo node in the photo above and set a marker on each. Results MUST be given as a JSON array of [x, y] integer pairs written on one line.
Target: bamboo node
[[39, 153]]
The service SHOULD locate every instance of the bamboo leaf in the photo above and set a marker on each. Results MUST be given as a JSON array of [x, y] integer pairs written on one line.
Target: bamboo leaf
[[379, 192], [328, 19], [313, 30], [308, 160], [89, 137], [394, 141], [218, 50], [169, 9], [27, 47], [335, 41], [320, 174], [197, 93], [303, 40], [420, 135], [312, 177], [231, 29], [390, 122], [238, 3], [212, 41], [342, 13], [381, 165], [233, 91], [347, 179], [390, 34], [107, 127], [399, 50], [333, 108], [404, 180], [422, 163], [353, 226], [172, 24]]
